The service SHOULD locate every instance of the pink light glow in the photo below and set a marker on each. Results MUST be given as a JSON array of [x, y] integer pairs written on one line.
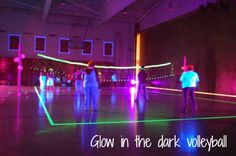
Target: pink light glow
[[133, 82], [20, 68], [23, 56], [156, 82], [184, 67], [132, 96], [16, 59]]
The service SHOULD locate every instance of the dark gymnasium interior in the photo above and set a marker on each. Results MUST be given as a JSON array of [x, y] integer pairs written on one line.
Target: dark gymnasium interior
[[57, 37]]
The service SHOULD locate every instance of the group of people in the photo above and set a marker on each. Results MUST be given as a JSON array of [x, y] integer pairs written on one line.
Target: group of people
[[189, 79], [88, 81], [46, 78]]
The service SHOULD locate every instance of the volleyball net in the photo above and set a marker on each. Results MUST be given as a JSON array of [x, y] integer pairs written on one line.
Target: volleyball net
[[122, 76]]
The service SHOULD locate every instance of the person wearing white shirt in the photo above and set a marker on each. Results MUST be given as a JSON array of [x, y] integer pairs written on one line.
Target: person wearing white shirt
[[189, 81]]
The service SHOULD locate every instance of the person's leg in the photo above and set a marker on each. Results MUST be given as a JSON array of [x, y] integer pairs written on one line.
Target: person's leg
[[53, 84], [145, 92], [94, 96], [87, 98], [76, 87], [41, 81], [138, 92], [80, 88], [185, 99], [47, 82], [193, 99], [44, 79]]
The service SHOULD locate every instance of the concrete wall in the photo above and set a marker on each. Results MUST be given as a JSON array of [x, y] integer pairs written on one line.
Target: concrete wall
[[207, 39], [18, 22]]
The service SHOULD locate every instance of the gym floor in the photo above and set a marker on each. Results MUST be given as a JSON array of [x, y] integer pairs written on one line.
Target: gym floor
[[53, 122]]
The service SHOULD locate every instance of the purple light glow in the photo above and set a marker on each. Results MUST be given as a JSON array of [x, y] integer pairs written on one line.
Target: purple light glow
[[19, 68], [132, 96], [16, 59], [156, 82], [133, 82]]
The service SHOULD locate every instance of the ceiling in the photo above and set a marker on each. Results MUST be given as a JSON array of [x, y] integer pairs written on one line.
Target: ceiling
[[85, 12]]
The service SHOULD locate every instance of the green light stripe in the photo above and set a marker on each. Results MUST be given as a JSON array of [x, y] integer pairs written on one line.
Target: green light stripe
[[145, 121], [103, 67], [125, 121], [61, 60], [44, 107]]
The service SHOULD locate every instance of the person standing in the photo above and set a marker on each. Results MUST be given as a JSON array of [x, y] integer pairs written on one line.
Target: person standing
[[91, 86], [50, 78], [78, 80], [114, 80], [43, 78], [189, 80], [142, 76]]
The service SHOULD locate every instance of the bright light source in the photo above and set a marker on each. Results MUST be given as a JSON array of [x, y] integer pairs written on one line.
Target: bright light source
[[103, 67]]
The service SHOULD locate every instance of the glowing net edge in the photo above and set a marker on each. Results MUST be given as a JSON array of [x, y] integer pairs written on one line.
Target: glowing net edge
[[97, 66]]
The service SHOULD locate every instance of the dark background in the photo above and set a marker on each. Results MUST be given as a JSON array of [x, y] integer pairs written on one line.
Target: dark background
[[208, 39]]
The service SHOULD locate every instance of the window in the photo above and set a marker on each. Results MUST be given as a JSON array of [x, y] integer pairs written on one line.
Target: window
[[87, 47], [39, 43], [108, 49], [64, 46], [13, 41]]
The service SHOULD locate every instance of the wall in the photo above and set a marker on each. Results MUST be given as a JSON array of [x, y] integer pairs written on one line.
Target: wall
[[171, 9], [20, 21], [207, 39]]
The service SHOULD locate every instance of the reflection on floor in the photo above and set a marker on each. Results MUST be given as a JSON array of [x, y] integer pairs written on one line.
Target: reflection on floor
[[54, 122]]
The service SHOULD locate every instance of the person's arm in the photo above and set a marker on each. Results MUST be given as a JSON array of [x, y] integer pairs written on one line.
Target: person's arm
[[98, 79], [82, 75], [197, 80], [181, 77]]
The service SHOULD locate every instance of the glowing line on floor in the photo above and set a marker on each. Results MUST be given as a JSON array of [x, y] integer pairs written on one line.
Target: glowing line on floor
[[144, 121], [124, 121], [97, 66], [206, 99], [222, 101], [44, 107], [197, 92]]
